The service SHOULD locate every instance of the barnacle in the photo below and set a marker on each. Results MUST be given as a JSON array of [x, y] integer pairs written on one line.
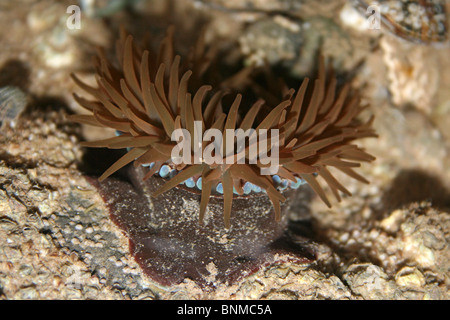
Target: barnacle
[[13, 102], [149, 95], [424, 22]]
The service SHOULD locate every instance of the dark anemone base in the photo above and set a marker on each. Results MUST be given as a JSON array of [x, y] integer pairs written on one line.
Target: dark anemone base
[[170, 244]]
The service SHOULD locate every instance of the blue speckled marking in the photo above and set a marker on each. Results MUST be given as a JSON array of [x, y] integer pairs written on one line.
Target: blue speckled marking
[[248, 187], [164, 171], [199, 183], [256, 188], [190, 183], [281, 184], [296, 185], [276, 178]]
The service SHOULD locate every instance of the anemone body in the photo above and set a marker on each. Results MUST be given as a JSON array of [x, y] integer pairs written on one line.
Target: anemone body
[[146, 96]]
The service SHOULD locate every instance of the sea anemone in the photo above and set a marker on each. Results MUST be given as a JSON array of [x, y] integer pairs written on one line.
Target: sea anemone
[[148, 96]]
